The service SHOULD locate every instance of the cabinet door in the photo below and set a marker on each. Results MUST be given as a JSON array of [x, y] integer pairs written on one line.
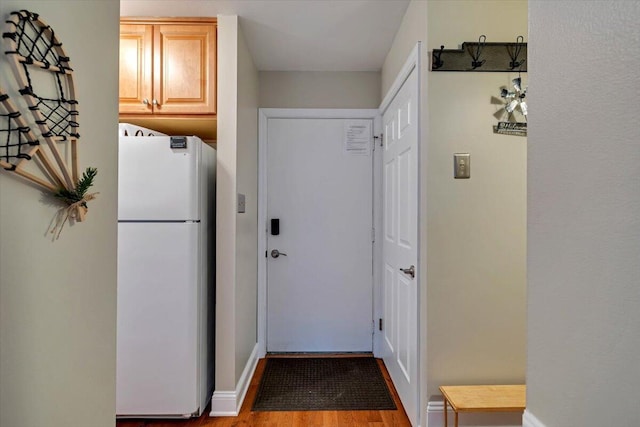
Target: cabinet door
[[185, 69], [135, 68]]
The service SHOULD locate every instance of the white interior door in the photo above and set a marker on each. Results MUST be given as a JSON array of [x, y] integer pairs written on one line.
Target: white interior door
[[319, 296], [400, 241]]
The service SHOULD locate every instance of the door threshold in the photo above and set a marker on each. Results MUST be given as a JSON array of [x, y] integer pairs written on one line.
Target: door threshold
[[303, 354]]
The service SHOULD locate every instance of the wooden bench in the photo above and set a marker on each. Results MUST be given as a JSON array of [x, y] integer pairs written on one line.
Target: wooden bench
[[483, 398]]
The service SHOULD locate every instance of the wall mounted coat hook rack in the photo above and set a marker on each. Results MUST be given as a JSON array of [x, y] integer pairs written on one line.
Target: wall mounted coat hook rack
[[437, 62], [515, 53], [476, 63], [482, 56]]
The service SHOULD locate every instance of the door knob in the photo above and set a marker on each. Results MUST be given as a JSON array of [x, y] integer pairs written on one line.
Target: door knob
[[145, 101], [411, 271], [276, 253]]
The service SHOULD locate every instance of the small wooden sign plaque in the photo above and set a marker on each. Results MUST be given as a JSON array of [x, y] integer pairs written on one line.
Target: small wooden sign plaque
[[511, 128]]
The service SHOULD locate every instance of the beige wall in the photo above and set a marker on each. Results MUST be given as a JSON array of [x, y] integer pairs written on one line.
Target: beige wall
[[476, 240], [319, 89], [583, 216], [166, 8], [246, 223], [225, 204], [412, 29], [58, 299], [236, 245]]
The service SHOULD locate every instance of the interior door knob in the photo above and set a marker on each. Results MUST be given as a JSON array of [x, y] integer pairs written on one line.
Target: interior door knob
[[411, 271], [276, 253]]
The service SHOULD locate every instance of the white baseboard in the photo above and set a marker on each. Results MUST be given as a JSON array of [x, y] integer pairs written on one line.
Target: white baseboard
[[435, 417], [529, 420], [435, 413], [228, 403], [245, 378], [224, 404]]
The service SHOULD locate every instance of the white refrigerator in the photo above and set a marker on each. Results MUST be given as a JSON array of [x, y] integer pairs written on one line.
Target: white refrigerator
[[166, 273]]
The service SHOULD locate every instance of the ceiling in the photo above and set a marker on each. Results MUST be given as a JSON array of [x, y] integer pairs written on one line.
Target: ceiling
[[299, 35]]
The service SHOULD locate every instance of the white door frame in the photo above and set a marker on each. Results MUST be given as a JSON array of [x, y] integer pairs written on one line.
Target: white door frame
[[290, 113]]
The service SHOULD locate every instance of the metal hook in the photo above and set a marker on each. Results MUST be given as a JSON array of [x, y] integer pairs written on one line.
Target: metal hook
[[517, 50], [437, 62], [476, 62]]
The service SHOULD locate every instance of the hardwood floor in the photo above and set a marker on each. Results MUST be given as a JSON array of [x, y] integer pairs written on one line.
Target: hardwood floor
[[246, 418]]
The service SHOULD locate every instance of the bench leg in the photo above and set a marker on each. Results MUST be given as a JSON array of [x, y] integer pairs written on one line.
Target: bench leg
[[446, 424]]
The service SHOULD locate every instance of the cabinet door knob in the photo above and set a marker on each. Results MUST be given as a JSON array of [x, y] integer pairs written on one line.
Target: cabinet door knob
[[155, 102], [145, 101]]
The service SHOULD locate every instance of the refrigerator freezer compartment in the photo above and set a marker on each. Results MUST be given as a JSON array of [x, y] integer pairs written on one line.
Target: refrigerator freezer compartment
[[157, 182]]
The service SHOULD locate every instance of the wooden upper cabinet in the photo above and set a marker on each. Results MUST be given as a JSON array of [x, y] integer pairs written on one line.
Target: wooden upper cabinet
[[168, 68], [136, 43], [184, 69]]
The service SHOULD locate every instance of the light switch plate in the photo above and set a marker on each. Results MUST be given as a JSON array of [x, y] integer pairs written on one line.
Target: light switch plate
[[242, 206], [462, 165]]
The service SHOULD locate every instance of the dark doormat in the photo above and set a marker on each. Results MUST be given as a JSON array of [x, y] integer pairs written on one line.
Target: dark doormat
[[323, 384]]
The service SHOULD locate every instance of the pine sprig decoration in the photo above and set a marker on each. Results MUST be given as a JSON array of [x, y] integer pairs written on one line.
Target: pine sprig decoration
[[79, 193], [86, 181], [76, 201]]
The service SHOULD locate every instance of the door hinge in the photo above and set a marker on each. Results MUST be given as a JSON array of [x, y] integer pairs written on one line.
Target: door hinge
[[380, 138], [380, 324], [265, 254], [373, 235]]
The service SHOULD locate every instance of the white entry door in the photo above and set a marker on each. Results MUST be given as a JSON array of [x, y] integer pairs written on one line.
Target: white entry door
[[319, 187], [400, 240]]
